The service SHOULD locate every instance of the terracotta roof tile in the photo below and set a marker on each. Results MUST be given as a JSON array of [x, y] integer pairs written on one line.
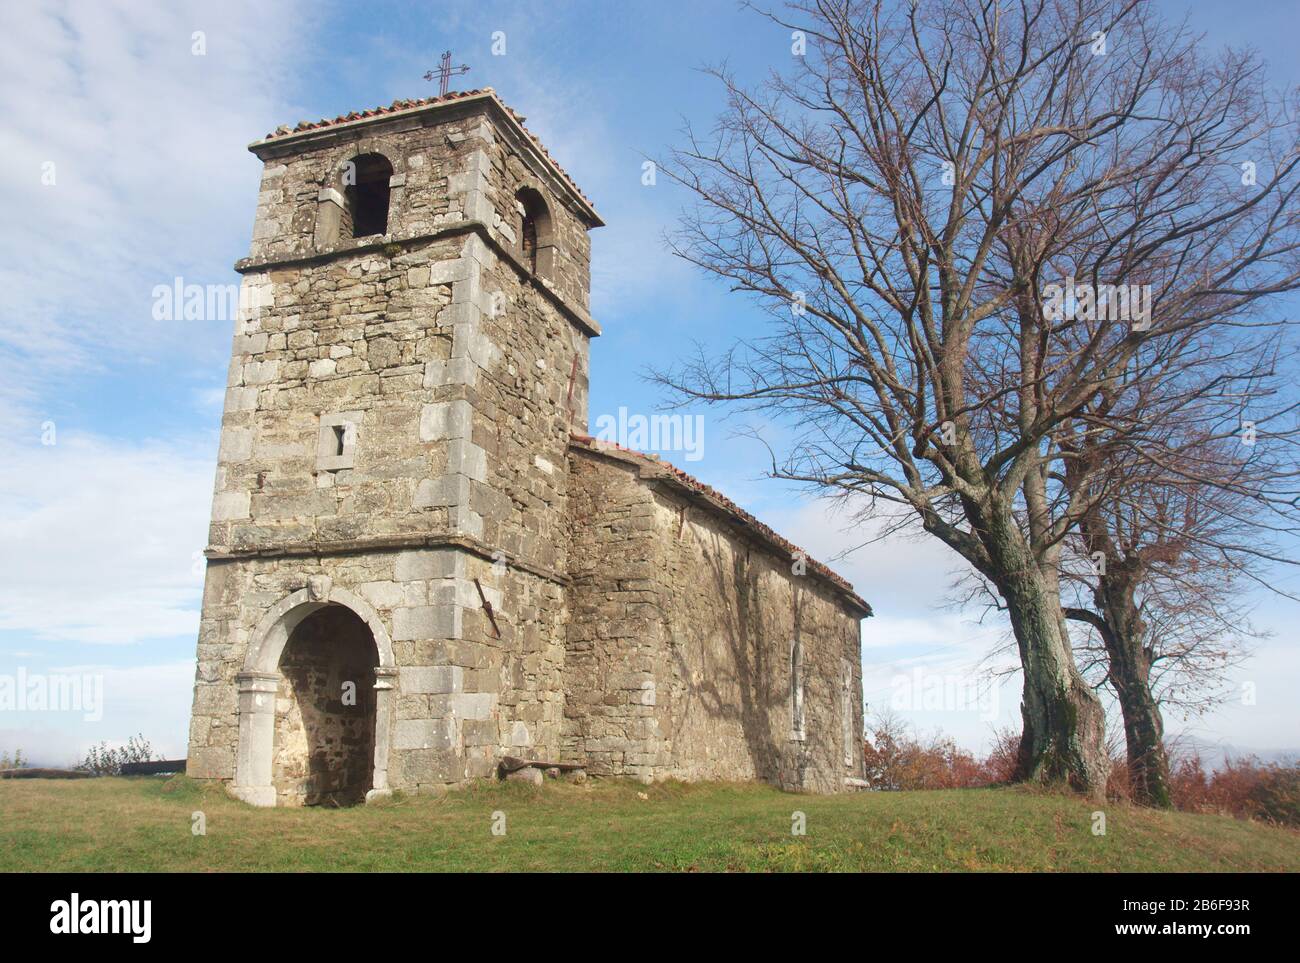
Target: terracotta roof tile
[[401, 105], [748, 521]]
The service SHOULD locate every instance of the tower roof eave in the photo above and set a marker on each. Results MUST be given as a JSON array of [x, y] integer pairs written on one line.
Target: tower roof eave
[[307, 131]]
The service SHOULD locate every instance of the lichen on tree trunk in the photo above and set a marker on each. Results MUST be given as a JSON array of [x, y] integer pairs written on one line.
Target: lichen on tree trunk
[[1130, 674], [1148, 763], [1063, 735]]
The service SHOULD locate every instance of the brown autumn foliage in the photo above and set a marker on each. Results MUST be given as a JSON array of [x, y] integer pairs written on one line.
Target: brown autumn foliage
[[899, 759], [1246, 788]]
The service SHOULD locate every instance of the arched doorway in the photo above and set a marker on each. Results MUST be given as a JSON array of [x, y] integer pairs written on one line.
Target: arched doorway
[[325, 711], [315, 702]]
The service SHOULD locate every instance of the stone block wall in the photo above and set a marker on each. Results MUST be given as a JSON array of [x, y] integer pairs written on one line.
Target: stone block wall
[[396, 424], [463, 695], [351, 338], [616, 639], [680, 637], [397, 442]]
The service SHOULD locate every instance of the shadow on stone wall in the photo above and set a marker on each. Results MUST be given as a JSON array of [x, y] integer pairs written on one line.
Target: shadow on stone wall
[[325, 718], [759, 662]]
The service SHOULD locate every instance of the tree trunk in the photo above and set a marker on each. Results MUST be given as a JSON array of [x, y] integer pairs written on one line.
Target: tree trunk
[[1130, 674], [1063, 739], [1144, 730]]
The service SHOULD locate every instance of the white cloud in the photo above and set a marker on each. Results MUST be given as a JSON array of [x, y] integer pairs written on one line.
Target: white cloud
[[146, 142], [152, 700], [901, 575], [98, 540], [1261, 714]]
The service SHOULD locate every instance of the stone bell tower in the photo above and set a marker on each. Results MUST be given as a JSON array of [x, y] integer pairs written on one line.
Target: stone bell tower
[[383, 605]]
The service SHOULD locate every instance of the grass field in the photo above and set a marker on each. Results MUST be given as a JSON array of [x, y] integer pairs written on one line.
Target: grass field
[[145, 824]]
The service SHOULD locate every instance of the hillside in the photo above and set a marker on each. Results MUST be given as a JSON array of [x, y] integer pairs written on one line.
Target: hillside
[[145, 824]]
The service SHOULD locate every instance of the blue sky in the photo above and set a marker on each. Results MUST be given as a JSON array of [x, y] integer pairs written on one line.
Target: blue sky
[[99, 531]]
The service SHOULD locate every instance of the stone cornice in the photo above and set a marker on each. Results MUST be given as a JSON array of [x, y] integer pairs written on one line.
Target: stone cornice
[[426, 114], [386, 543], [574, 314]]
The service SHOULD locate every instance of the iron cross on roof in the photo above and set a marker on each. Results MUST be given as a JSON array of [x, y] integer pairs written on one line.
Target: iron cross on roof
[[445, 71]]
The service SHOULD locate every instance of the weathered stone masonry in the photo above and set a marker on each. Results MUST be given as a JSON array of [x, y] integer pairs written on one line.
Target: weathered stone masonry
[[683, 616], [416, 564]]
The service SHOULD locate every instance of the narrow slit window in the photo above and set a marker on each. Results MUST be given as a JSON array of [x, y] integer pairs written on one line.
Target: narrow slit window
[[846, 702], [796, 690], [337, 448]]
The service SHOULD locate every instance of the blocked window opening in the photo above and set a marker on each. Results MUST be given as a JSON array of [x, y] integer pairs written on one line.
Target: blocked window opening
[[366, 190], [536, 244], [847, 713]]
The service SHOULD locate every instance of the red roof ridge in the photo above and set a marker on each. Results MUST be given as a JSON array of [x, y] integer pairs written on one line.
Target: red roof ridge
[[412, 104], [690, 482]]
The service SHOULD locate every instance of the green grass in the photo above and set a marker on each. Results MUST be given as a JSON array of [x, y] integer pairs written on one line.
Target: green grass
[[144, 824]]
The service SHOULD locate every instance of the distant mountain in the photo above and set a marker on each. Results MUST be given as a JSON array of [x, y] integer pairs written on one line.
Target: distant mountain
[[1215, 754]]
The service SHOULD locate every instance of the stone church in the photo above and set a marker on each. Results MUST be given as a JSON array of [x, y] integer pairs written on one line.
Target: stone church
[[420, 564]]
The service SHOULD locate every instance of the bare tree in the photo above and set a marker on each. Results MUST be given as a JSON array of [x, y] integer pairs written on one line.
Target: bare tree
[[1181, 472], [1183, 521], [913, 203]]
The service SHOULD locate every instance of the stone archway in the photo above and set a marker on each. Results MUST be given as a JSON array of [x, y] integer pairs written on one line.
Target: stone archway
[[323, 749], [262, 679]]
